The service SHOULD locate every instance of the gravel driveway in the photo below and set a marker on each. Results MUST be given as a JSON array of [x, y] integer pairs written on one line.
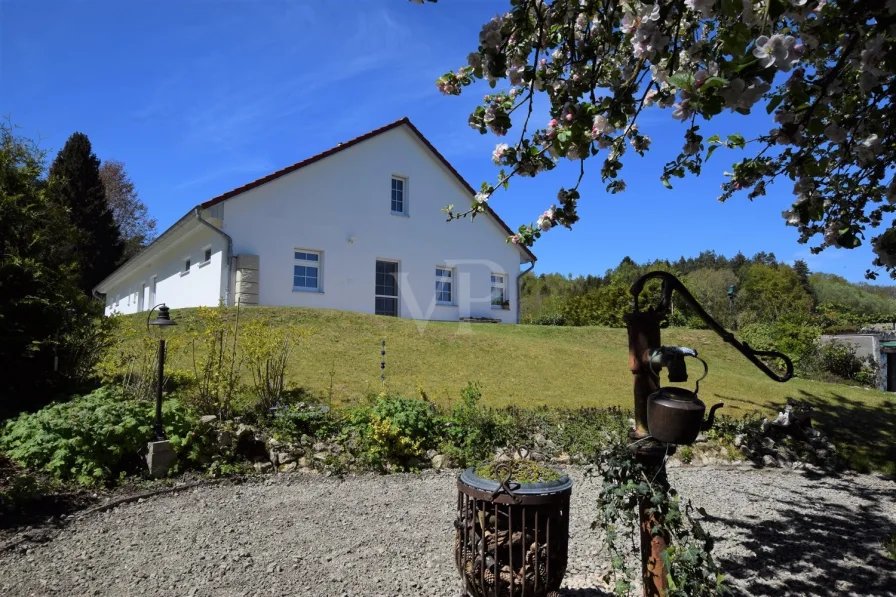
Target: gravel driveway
[[779, 533]]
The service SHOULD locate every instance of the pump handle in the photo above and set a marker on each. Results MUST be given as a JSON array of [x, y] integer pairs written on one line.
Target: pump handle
[[672, 283]]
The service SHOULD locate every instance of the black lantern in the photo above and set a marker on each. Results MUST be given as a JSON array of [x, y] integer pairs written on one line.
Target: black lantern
[[161, 322]]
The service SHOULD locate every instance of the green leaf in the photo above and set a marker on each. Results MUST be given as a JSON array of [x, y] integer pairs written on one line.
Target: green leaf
[[713, 82], [736, 140], [709, 151], [666, 183], [774, 103], [682, 81]]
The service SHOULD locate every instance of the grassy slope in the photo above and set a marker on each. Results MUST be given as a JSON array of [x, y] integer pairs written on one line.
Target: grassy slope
[[532, 365]]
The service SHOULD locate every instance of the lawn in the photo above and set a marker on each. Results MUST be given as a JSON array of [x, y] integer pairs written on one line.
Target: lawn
[[529, 365]]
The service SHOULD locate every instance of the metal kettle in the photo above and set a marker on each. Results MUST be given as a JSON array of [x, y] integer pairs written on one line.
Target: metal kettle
[[675, 415]]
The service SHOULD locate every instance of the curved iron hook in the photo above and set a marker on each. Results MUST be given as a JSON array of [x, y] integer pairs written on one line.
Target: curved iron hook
[[672, 283]]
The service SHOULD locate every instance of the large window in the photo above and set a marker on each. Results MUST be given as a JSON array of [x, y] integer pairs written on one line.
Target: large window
[[399, 196], [444, 286], [306, 271], [499, 289], [386, 291]]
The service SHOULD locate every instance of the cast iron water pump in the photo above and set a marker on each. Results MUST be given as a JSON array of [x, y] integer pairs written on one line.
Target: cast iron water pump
[[666, 417]]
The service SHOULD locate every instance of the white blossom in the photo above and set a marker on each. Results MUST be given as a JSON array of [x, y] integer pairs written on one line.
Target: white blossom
[[682, 110], [793, 219], [601, 126], [499, 152], [867, 149], [481, 197], [775, 50]]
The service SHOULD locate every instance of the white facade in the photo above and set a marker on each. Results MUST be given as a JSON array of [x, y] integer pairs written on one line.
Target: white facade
[[326, 224]]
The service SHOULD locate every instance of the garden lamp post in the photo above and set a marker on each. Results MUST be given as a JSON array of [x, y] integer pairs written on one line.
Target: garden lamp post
[[161, 322]]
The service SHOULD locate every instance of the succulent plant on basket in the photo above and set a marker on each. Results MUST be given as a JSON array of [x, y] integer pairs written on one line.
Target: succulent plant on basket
[[512, 528]]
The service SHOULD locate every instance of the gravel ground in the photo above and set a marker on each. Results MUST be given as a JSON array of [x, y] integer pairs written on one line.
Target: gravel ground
[[778, 533]]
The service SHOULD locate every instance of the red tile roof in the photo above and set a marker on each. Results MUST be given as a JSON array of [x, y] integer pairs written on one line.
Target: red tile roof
[[351, 143]]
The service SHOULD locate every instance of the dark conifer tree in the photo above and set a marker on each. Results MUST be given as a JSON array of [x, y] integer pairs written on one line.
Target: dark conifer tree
[[76, 186]]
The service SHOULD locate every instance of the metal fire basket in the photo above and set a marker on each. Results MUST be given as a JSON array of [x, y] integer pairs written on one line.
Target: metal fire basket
[[511, 539]]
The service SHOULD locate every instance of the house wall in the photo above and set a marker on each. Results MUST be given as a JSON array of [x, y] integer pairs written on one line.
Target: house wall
[[202, 286], [341, 207]]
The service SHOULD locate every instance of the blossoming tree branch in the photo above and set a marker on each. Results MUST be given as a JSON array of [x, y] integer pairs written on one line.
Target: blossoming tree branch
[[823, 68]]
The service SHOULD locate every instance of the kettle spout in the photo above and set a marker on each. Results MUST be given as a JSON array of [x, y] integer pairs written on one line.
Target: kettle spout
[[707, 424]]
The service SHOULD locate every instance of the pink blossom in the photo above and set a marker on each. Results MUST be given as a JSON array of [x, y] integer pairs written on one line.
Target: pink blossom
[[515, 239]]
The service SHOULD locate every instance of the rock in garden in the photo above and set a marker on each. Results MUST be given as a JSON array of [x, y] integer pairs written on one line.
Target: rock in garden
[[263, 467], [207, 419], [273, 457], [739, 440], [768, 443], [430, 454], [440, 461], [285, 458], [562, 458], [244, 430], [288, 468], [320, 456], [303, 462], [225, 440], [319, 447], [769, 461]]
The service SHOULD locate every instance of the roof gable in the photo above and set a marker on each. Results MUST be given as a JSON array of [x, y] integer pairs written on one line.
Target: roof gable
[[357, 140]]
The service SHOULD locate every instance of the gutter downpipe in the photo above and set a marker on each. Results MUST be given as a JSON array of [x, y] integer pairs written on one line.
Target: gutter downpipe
[[229, 251], [519, 289]]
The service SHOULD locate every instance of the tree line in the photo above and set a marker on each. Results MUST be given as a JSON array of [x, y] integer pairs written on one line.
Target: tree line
[[63, 229], [737, 291]]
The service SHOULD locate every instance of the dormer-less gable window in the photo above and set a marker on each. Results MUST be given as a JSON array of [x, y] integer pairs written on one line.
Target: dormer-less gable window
[[399, 196]]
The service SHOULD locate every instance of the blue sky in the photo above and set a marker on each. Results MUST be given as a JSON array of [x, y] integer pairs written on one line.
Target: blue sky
[[198, 97]]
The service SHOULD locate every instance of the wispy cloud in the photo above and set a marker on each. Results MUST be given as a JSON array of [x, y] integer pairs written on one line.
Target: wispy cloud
[[259, 166]]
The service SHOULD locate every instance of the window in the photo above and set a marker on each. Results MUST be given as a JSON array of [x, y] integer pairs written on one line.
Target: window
[[498, 290], [306, 271], [386, 290], [444, 277], [186, 267], [208, 254], [399, 196]]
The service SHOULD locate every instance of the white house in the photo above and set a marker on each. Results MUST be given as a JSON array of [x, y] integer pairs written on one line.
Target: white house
[[358, 227]]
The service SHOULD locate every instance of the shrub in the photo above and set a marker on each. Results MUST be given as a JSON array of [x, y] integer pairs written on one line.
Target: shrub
[[131, 362], [215, 365], [397, 429], [587, 431], [92, 438], [839, 358], [266, 350], [796, 338], [472, 432], [290, 422]]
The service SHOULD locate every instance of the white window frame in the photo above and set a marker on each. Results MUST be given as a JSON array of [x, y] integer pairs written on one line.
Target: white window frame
[[444, 278], [502, 284], [187, 265], [318, 265], [404, 195], [206, 249]]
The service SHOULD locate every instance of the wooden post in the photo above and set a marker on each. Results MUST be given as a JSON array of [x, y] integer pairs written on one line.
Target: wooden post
[[644, 336]]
